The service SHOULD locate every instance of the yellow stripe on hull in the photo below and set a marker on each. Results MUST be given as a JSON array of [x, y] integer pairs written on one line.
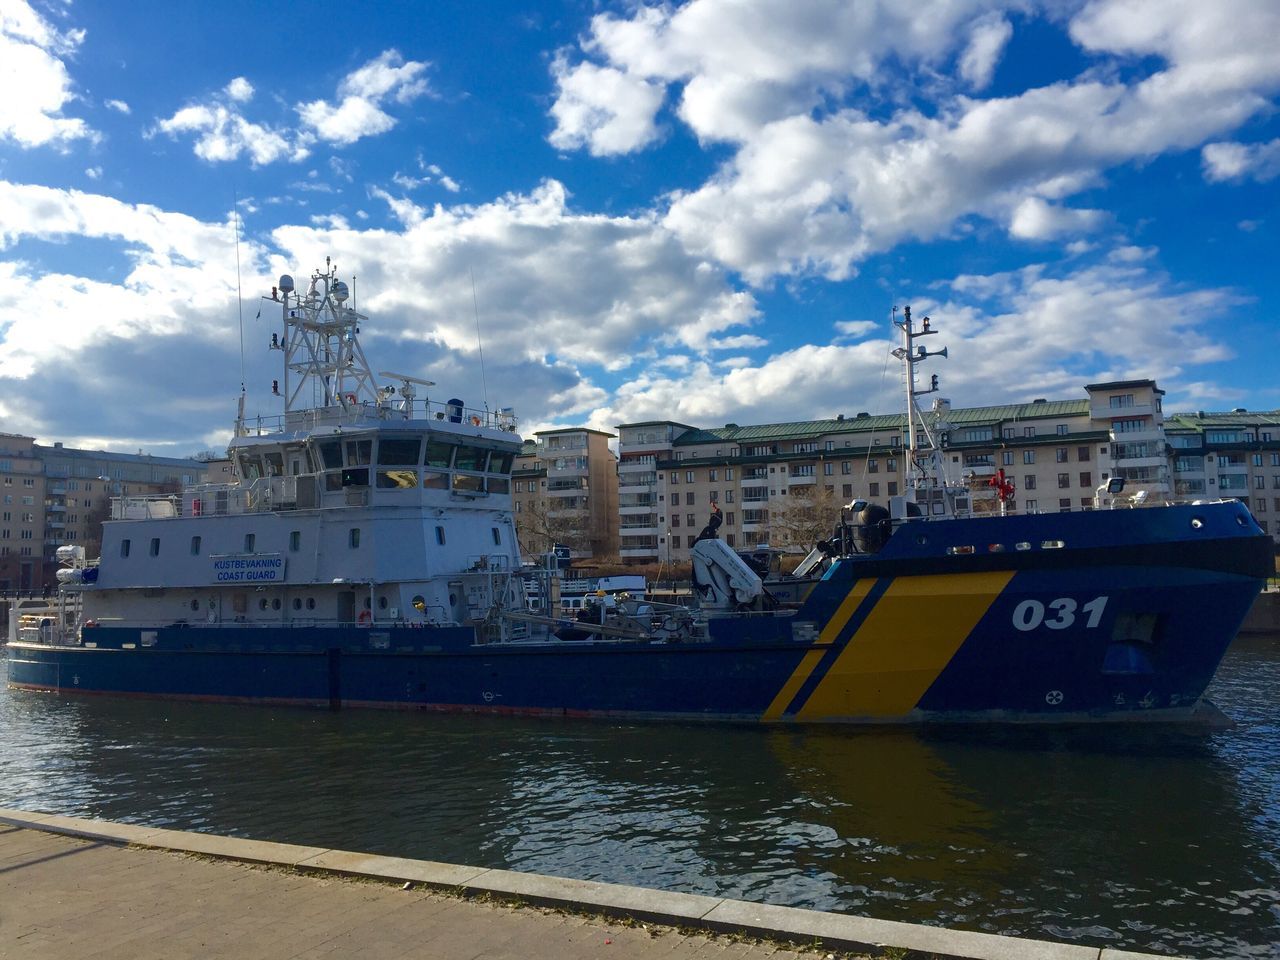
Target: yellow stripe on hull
[[812, 658], [903, 645]]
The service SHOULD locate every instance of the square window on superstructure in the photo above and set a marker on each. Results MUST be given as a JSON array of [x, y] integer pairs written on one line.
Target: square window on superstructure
[[249, 541], [195, 546]]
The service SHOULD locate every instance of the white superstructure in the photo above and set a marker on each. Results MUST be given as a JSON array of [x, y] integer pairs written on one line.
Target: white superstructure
[[360, 503]]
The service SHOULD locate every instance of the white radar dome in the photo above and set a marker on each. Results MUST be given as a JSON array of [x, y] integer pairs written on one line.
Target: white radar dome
[[286, 283], [340, 291]]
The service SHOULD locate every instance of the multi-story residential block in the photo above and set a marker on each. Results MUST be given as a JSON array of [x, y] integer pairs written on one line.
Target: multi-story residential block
[[22, 514], [782, 484], [1235, 454], [566, 491], [54, 495]]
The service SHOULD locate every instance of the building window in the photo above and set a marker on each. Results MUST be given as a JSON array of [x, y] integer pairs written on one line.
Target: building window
[[1029, 482], [1064, 505], [1064, 481], [1028, 456], [729, 518], [688, 476], [1260, 504], [1086, 479], [875, 490], [1033, 506], [1260, 482], [691, 519], [728, 472], [728, 496], [688, 499], [891, 465], [1060, 455], [846, 468], [124, 547], [1119, 400], [828, 469], [846, 491], [873, 466], [195, 546], [249, 541], [711, 475], [675, 520], [675, 476], [1062, 429], [1257, 459], [1028, 431]]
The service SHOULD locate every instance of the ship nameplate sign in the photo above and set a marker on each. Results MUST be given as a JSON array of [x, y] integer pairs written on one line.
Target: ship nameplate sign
[[248, 567]]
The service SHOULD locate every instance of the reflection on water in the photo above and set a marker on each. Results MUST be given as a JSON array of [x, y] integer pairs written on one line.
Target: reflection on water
[[1155, 839]]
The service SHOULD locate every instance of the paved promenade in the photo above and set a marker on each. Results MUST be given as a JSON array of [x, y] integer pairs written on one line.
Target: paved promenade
[[75, 889]]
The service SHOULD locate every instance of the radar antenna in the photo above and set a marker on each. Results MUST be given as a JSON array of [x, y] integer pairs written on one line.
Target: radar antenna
[[321, 343]]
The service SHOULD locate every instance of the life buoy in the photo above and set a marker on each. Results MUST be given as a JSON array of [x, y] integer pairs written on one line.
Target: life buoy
[[196, 507], [364, 619], [351, 399], [475, 421]]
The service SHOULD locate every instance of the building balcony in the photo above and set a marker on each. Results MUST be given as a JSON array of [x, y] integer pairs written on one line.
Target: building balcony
[[1148, 461], [801, 480], [55, 508], [1104, 411], [636, 510], [638, 553], [1137, 436], [638, 530]]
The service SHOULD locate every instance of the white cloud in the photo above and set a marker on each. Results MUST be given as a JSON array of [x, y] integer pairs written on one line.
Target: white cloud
[[833, 160], [1237, 161], [359, 113], [986, 42], [604, 109], [93, 173], [223, 135], [856, 328], [118, 105], [240, 90], [35, 87], [1034, 219]]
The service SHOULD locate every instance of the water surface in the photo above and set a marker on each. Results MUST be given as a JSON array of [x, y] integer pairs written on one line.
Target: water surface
[[1147, 838]]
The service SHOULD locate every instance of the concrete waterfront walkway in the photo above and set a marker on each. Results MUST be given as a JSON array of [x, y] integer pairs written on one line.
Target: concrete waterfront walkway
[[74, 889]]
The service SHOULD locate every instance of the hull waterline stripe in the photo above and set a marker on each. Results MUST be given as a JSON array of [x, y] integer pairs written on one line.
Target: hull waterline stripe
[[853, 610], [903, 645]]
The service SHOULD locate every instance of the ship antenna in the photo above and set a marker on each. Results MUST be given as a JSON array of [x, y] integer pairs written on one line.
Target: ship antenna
[[475, 306], [235, 213]]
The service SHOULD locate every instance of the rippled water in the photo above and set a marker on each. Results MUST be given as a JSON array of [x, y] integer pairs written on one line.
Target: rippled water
[[1155, 839]]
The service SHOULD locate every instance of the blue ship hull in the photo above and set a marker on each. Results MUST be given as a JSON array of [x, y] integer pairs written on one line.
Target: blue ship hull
[[1089, 616]]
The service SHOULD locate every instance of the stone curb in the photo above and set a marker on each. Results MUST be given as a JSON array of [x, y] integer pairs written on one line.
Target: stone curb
[[835, 930]]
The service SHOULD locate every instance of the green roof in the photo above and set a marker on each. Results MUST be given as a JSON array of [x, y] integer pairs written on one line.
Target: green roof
[[958, 416], [1232, 418]]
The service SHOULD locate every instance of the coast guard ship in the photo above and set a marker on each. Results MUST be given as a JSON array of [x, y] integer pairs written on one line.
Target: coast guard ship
[[366, 556]]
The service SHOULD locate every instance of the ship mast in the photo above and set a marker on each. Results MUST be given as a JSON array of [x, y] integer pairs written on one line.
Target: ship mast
[[925, 471], [321, 345]]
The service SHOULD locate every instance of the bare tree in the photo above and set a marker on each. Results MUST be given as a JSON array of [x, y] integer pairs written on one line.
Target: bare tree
[[811, 514], [539, 527]]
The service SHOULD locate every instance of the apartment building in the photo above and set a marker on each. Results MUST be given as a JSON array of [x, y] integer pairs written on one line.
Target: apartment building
[[55, 495], [565, 490], [22, 486], [1234, 454], [782, 484]]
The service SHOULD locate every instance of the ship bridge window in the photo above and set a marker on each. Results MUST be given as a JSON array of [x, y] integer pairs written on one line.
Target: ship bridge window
[[274, 463], [397, 479], [439, 454], [500, 462], [396, 451], [471, 458], [435, 481], [468, 483], [359, 453], [331, 455], [356, 477], [250, 468], [195, 546], [499, 485], [155, 546]]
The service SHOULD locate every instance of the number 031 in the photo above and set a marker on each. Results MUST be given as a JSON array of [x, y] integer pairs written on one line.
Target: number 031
[[1059, 614]]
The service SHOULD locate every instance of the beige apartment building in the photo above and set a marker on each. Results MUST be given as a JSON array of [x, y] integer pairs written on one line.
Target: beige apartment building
[[782, 484], [55, 495], [565, 490]]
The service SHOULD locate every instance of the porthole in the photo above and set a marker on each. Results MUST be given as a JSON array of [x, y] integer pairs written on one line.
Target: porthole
[[1196, 523], [262, 603], [275, 604], [382, 603], [311, 603], [922, 539], [297, 603], [367, 603], [195, 604]]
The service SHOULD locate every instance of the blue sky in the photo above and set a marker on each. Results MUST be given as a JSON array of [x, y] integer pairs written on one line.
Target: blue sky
[[701, 211]]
